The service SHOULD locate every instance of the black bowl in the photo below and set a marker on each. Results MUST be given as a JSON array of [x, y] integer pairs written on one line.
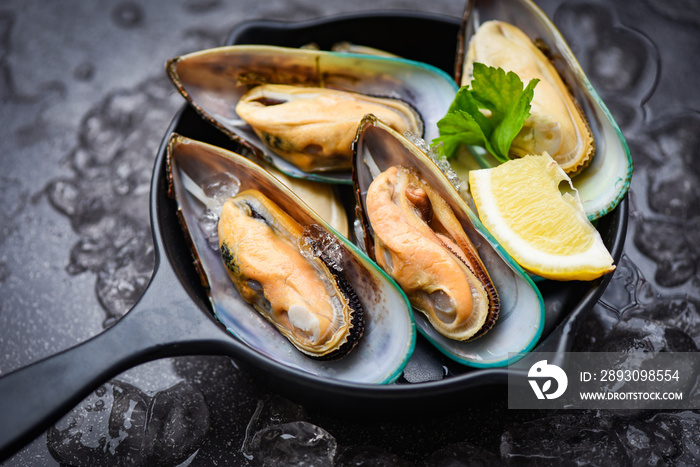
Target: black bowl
[[431, 381]]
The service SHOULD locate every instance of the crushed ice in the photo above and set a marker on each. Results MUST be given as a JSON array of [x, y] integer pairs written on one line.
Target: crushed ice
[[438, 159], [278, 435], [316, 242], [119, 424], [106, 197], [213, 193]]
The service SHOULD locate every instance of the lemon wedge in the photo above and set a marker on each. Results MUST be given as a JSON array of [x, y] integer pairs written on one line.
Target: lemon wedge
[[530, 206]]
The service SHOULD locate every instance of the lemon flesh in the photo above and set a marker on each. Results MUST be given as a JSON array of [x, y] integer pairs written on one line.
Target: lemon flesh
[[530, 206]]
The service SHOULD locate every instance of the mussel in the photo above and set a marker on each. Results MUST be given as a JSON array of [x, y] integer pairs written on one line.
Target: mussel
[[313, 127], [287, 104], [289, 276], [606, 177], [430, 222], [374, 349], [556, 124], [420, 243]]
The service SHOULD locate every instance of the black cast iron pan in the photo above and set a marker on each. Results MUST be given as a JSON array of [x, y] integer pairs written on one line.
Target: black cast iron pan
[[173, 317]]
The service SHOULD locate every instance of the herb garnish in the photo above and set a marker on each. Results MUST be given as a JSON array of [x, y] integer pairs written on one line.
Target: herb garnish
[[494, 90]]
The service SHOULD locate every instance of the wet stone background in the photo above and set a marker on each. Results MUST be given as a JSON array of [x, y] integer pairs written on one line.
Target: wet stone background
[[85, 104]]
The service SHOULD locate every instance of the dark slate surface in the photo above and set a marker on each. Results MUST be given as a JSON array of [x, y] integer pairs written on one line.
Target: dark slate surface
[[84, 107]]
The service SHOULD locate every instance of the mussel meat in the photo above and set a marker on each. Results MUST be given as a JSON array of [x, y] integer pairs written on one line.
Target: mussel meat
[[420, 243], [313, 127], [301, 294]]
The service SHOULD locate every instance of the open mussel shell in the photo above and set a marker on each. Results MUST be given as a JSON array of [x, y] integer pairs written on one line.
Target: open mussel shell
[[521, 317], [605, 181], [214, 80], [389, 336]]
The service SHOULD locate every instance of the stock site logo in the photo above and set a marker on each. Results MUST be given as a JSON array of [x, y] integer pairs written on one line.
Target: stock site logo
[[543, 373]]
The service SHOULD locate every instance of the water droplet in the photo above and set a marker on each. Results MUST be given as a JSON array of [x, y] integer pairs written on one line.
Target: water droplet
[[127, 15], [84, 72]]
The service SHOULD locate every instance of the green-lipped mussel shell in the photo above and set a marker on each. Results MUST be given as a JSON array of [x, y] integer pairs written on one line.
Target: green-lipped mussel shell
[[521, 316], [214, 80], [606, 179], [389, 331]]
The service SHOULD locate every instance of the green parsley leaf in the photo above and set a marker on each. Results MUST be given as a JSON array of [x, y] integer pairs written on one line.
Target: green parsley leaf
[[502, 95]]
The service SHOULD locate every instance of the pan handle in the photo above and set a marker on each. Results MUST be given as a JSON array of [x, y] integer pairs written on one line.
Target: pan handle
[[164, 323]]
